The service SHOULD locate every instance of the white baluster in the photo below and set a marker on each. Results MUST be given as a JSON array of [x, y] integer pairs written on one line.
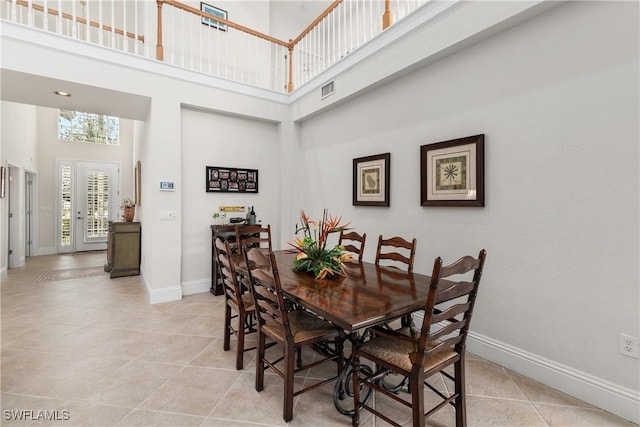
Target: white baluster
[[113, 24], [30, 16], [74, 30], [135, 27], [87, 25], [59, 18], [45, 17], [100, 24], [125, 39]]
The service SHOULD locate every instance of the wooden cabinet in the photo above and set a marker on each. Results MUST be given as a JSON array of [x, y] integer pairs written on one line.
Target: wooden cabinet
[[123, 249]]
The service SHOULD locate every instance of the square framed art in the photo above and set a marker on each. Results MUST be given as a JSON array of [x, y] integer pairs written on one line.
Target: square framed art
[[371, 176], [452, 172]]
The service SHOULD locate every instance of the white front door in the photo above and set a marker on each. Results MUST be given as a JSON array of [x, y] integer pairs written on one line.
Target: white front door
[[96, 193]]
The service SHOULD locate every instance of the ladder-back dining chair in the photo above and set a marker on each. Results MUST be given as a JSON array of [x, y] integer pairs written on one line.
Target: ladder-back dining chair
[[254, 236], [396, 250], [290, 329], [441, 343], [238, 304], [353, 242]]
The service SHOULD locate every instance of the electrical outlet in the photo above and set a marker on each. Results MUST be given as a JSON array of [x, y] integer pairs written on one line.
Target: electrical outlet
[[629, 345]]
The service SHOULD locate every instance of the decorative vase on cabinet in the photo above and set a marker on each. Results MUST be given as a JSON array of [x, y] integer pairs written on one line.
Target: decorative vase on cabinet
[[129, 213]]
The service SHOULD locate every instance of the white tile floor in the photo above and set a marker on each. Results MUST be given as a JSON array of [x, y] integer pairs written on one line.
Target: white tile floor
[[93, 348]]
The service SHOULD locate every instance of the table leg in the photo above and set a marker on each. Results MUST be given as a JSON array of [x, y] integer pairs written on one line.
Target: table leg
[[343, 389]]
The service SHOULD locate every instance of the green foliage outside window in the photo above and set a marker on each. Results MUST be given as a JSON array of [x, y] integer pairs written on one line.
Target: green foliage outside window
[[76, 126]]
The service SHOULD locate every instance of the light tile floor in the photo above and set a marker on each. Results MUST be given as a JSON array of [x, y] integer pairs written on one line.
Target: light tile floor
[[94, 349]]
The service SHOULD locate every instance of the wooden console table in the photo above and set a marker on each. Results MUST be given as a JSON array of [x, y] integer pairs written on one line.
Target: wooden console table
[[123, 249]]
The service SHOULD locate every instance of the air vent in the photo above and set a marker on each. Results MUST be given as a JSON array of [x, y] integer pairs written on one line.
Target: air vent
[[328, 89]]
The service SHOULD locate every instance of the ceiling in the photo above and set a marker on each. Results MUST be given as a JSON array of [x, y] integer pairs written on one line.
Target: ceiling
[[83, 98]]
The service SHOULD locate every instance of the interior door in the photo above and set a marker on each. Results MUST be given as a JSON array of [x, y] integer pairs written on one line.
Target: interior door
[[96, 194]]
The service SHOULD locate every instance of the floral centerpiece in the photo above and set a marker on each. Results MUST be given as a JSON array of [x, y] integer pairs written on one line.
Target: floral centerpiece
[[313, 255]]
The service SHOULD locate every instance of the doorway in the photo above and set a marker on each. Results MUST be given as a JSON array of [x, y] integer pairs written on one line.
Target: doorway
[[87, 201]]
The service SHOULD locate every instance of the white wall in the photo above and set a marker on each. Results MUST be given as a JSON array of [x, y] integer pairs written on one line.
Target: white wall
[[557, 98], [210, 139], [19, 149]]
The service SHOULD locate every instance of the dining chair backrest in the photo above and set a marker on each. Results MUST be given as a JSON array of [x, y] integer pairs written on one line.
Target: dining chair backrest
[[230, 283], [267, 292], [353, 242], [252, 236], [450, 302], [396, 249]]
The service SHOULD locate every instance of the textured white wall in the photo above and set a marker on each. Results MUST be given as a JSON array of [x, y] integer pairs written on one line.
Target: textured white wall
[[557, 98], [210, 139]]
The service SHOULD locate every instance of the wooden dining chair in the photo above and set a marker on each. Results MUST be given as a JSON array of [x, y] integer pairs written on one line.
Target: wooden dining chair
[[290, 329], [238, 304], [396, 250], [254, 236], [353, 242], [440, 344]]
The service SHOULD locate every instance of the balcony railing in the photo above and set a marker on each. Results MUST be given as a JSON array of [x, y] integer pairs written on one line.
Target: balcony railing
[[196, 40]]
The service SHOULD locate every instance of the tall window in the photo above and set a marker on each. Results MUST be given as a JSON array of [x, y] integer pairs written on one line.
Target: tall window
[[76, 126], [65, 205]]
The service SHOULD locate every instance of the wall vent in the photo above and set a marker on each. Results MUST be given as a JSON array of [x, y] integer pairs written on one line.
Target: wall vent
[[328, 89]]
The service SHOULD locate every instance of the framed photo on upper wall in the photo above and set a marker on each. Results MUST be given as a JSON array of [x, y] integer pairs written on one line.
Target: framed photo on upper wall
[[371, 177], [452, 172], [215, 11]]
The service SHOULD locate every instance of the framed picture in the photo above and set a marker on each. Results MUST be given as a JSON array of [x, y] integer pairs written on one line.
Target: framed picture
[[452, 172], [232, 180], [371, 180], [3, 181], [137, 181], [215, 11]]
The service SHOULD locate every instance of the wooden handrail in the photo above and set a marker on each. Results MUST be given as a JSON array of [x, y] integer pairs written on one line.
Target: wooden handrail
[[316, 21], [225, 22], [80, 20]]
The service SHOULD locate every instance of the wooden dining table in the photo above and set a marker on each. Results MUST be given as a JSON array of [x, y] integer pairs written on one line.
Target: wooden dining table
[[367, 295]]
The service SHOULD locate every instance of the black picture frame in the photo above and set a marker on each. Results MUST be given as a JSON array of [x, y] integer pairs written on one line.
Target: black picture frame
[[371, 180], [231, 180], [452, 172], [216, 11]]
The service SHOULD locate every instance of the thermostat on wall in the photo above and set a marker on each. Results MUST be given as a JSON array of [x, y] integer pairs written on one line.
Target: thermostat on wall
[[166, 185]]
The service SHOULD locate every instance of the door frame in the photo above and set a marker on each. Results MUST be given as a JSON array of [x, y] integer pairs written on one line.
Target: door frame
[[74, 196]]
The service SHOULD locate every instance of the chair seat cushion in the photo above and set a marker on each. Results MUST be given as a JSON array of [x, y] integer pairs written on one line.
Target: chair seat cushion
[[247, 300], [304, 327], [402, 353]]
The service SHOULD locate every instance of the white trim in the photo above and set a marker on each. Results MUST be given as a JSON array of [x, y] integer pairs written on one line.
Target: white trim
[[618, 400], [613, 398], [170, 293], [195, 287], [3, 273]]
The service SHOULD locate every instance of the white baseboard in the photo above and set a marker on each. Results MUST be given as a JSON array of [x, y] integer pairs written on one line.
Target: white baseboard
[[156, 296], [3, 273], [613, 398], [47, 251], [196, 287]]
